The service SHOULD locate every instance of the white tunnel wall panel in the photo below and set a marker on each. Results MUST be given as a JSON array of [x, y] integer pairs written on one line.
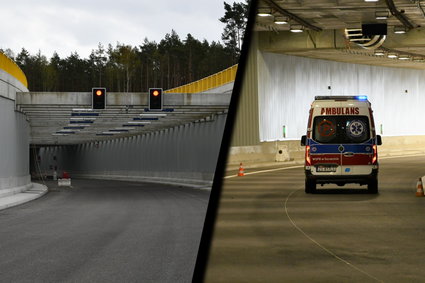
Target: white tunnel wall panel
[[14, 136], [188, 152], [288, 84], [14, 149]]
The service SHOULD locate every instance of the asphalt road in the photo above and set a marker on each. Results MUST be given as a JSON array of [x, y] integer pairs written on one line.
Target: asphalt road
[[269, 230], [104, 231]]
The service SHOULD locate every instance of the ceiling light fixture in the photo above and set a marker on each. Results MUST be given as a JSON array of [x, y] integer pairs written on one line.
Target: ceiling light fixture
[[404, 57], [392, 55], [296, 28], [381, 15], [399, 29], [264, 12], [280, 20], [379, 52], [371, 0]]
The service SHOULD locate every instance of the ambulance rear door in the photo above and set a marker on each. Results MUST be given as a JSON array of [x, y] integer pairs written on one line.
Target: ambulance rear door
[[356, 139], [326, 157]]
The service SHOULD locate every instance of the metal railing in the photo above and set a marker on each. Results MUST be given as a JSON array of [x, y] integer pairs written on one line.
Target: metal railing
[[10, 67], [216, 80]]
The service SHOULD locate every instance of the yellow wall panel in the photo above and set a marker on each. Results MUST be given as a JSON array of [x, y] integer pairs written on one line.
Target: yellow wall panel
[[223, 77], [10, 67]]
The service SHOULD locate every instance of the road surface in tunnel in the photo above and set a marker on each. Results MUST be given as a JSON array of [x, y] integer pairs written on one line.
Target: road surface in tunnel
[[104, 231], [269, 230]]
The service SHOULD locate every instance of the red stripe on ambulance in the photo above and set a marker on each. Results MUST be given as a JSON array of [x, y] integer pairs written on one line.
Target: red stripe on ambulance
[[357, 159]]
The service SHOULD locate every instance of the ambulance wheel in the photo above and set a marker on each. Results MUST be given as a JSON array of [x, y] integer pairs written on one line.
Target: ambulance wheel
[[372, 186], [310, 186]]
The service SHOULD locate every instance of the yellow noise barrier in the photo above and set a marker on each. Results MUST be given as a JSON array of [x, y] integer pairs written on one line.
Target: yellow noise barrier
[[10, 67], [218, 79]]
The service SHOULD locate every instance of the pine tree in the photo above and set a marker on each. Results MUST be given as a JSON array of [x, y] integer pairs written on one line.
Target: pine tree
[[235, 18]]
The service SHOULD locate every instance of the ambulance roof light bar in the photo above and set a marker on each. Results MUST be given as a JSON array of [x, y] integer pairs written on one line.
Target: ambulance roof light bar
[[341, 97]]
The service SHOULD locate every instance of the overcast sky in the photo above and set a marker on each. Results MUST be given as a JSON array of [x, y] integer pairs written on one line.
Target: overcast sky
[[79, 25]]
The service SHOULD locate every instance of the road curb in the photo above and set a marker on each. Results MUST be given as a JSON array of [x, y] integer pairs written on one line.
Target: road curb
[[34, 192]]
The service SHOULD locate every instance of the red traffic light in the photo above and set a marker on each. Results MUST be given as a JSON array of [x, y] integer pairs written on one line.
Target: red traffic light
[[155, 99], [98, 97]]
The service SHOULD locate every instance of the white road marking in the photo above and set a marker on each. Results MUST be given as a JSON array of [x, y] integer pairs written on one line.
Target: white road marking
[[322, 247], [267, 170], [302, 231]]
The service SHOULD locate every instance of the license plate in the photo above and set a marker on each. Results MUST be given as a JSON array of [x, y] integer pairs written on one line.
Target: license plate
[[322, 168]]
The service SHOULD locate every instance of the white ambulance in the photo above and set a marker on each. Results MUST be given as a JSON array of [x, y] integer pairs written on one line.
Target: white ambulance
[[341, 143]]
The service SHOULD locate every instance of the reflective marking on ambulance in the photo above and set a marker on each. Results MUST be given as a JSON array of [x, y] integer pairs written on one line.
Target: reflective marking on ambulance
[[353, 154]]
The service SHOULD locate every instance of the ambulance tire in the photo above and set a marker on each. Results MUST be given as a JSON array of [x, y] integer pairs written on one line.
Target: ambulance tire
[[310, 186], [372, 186]]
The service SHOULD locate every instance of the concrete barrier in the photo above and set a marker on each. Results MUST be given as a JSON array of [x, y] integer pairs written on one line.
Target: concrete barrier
[[277, 152], [200, 182], [64, 182]]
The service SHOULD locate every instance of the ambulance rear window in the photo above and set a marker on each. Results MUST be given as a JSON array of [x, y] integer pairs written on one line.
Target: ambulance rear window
[[341, 129]]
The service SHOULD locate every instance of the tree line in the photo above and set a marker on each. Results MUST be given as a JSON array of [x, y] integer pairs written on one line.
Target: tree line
[[124, 68]]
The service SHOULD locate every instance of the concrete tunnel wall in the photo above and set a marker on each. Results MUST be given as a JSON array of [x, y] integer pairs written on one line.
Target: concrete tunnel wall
[[287, 86], [14, 136], [186, 154]]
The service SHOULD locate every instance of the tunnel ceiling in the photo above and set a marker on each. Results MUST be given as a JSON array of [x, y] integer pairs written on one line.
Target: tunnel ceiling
[[64, 118], [324, 24]]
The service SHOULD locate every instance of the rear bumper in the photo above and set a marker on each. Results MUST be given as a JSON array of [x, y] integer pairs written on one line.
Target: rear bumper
[[335, 179]]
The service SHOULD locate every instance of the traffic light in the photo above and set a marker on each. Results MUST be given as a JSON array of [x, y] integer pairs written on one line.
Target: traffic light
[[155, 99], [98, 97]]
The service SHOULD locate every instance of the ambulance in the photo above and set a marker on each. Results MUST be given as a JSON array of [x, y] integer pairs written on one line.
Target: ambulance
[[341, 143]]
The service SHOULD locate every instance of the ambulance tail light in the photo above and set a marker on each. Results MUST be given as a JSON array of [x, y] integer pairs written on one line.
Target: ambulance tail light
[[375, 155], [307, 156]]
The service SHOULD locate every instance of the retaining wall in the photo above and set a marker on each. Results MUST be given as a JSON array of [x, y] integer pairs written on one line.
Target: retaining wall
[[186, 154], [14, 136]]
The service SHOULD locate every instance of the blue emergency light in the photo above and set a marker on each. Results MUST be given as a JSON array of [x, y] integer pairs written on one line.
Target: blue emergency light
[[341, 97]]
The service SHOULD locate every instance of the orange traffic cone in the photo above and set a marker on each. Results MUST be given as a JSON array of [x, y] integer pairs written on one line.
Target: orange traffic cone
[[241, 171], [419, 188]]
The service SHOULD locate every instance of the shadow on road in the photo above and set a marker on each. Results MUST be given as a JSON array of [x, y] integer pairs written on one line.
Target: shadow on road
[[344, 191]]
